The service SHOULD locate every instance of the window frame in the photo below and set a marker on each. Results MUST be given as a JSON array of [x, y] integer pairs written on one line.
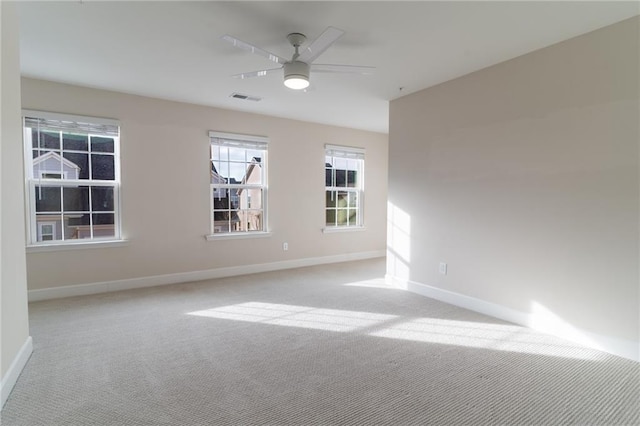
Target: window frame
[[76, 124], [249, 142], [346, 153]]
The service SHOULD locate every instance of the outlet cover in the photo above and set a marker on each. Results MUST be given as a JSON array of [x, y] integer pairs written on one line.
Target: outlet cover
[[443, 268]]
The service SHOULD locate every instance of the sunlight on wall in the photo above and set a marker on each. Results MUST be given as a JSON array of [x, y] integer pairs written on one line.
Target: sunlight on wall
[[498, 337], [296, 316], [398, 242], [544, 320]]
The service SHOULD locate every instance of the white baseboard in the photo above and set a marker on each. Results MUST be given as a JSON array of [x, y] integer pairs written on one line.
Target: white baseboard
[[157, 280], [9, 380], [540, 321]]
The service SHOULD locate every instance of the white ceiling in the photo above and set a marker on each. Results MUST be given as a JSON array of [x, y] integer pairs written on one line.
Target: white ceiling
[[173, 50]]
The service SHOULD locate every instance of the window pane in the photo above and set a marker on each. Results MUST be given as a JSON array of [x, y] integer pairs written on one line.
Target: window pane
[[220, 203], [254, 220], [48, 198], [103, 167], [237, 154], [254, 155], [249, 220], [223, 153], [340, 177], [100, 144], [342, 216], [103, 225], [223, 170], [238, 171], [340, 163], [251, 198], [76, 166], [352, 178], [49, 140], [216, 175], [46, 164], [329, 176], [102, 198], [75, 142], [77, 226], [331, 197], [76, 199], [253, 174], [331, 217], [352, 199]]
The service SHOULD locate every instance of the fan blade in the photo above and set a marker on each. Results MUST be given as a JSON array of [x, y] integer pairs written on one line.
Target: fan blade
[[252, 74], [354, 69], [253, 49], [319, 45]]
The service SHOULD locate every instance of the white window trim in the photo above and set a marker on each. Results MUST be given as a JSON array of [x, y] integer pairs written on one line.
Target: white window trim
[[33, 245], [238, 235], [339, 229], [248, 142], [347, 152], [76, 245], [69, 117]]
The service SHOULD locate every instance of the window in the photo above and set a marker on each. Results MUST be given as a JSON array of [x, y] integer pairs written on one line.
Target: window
[[73, 183], [344, 167], [238, 183]]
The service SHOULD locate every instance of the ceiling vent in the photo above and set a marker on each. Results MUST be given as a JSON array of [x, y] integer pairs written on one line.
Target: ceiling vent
[[245, 97]]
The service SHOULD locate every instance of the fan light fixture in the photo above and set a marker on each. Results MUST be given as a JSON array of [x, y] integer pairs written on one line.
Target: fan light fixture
[[296, 75], [296, 83]]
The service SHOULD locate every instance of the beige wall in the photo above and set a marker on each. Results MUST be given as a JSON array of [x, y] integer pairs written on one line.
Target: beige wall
[[13, 306], [523, 178], [165, 186]]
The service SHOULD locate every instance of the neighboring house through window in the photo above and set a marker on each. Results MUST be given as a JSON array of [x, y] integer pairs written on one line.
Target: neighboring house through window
[[238, 183], [344, 187], [73, 183]]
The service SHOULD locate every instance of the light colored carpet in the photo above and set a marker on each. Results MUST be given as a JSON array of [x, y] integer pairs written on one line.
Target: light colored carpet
[[325, 345]]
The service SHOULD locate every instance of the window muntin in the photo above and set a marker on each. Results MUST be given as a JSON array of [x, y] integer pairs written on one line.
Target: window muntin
[[238, 183], [344, 185], [72, 168]]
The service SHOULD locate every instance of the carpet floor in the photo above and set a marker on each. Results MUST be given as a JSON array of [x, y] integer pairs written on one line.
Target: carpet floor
[[324, 345]]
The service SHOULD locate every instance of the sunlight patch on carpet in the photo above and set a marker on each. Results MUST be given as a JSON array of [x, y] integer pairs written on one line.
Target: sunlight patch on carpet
[[500, 337], [296, 316]]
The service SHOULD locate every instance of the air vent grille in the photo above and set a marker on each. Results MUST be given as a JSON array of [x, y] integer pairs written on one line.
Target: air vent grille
[[245, 97]]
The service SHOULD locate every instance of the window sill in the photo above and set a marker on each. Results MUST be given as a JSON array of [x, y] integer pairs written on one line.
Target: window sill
[[237, 236], [63, 246], [335, 229]]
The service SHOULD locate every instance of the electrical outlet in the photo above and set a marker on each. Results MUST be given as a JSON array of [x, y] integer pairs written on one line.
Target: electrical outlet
[[443, 268], [285, 246]]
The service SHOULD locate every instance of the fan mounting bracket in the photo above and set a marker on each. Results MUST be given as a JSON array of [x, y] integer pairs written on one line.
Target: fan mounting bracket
[[296, 39]]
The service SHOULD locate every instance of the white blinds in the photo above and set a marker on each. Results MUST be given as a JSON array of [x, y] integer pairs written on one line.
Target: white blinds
[[72, 124], [344, 152], [238, 141]]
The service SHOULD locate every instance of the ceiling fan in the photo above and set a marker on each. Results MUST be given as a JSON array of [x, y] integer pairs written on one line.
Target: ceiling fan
[[297, 69]]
